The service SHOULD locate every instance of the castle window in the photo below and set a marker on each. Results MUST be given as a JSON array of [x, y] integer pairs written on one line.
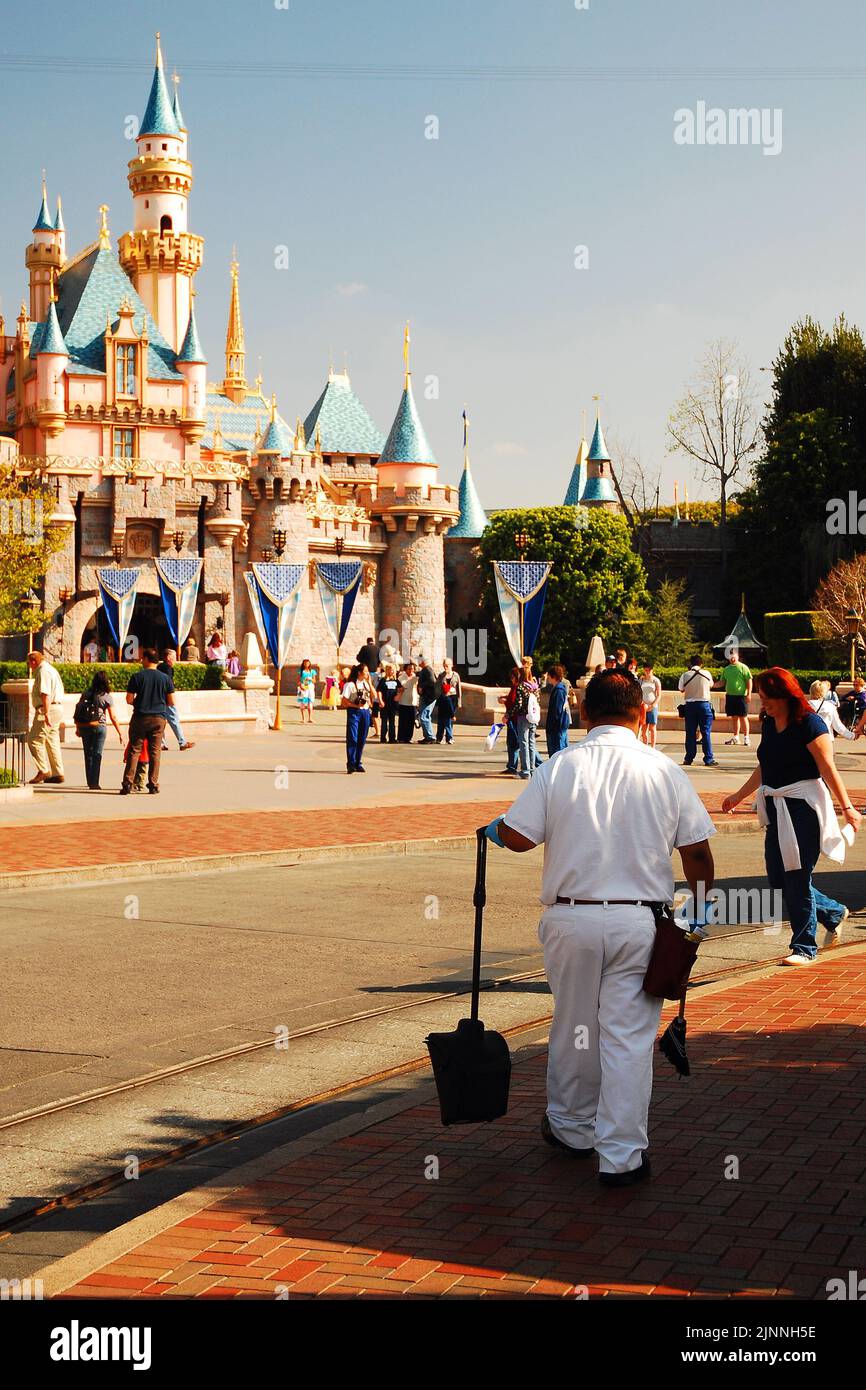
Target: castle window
[[394, 578], [164, 224], [164, 146], [124, 368], [124, 444], [147, 202]]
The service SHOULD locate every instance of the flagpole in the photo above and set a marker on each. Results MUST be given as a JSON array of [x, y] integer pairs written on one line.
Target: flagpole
[[278, 717]]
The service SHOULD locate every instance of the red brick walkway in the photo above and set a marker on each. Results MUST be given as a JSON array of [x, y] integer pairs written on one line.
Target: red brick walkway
[[778, 1089]]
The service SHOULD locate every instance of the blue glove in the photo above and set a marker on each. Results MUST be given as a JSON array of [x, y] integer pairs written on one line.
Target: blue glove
[[491, 831]]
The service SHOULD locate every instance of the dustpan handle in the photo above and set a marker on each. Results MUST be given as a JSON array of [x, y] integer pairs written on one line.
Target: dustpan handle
[[479, 898]]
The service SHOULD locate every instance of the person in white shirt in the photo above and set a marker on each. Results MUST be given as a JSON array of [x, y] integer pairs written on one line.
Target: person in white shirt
[[651, 688], [356, 699], [819, 699], [695, 686], [609, 812], [91, 651], [43, 739], [407, 702]]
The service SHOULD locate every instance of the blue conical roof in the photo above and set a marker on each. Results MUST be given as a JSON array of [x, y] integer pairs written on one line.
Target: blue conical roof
[[342, 421], [176, 111], [51, 339], [58, 221], [278, 439], [598, 490], [473, 518], [598, 448], [159, 117], [407, 442], [577, 481], [192, 350], [43, 221]]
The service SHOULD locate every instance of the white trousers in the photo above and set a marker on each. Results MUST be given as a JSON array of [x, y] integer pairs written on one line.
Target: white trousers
[[599, 1071]]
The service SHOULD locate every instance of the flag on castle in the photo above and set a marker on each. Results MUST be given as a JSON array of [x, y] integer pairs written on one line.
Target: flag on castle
[[521, 587], [179, 580], [117, 589], [338, 582], [275, 595]]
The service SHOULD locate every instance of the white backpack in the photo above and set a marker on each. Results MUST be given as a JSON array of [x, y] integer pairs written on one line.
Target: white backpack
[[533, 709]]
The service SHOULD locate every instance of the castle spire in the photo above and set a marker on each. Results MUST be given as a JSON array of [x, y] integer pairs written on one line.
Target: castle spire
[[406, 341], [159, 117], [235, 384], [472, 520], [43, 221]]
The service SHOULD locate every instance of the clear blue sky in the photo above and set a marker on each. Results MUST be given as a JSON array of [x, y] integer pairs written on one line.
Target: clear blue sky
[[470, 236]]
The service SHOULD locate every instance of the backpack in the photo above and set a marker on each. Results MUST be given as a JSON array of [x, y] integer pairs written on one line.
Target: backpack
[[533, 709], [87, 709]]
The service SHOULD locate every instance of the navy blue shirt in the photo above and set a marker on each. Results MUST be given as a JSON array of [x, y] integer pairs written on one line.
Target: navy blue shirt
[[558, 716], [784, 756], [150, 688]]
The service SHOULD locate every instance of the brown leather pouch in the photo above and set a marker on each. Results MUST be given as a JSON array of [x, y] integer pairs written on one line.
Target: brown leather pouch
[[673, 956]]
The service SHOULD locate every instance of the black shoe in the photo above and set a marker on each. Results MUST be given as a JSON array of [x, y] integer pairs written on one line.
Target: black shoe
[[154, 791], [349, 771], [712, 763], [359, 768], [550, 1138], [627, 1179], [124, 791], [687, 762]]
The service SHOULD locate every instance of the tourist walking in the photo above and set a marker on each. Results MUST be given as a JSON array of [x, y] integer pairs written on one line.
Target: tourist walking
[[92, 712], [558, 720], [609, 812], [407, 703], [512, 744], [368, 655], [306, 689], [426, 699], [651, 690], [795, 784], [151, 694], [526, 712], [43, 740], [820, 702], [695, 686], [737, 682], [167, 665], [357, 701], [388, 691], [448, 701]]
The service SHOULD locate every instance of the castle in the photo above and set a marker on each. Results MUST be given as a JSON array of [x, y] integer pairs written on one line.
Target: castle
[[108, 402]]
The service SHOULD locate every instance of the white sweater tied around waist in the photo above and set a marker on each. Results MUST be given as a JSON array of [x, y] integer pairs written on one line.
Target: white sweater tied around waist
[[813, 791]]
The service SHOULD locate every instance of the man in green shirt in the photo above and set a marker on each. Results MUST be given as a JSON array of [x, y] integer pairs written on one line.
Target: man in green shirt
[[737, 682]]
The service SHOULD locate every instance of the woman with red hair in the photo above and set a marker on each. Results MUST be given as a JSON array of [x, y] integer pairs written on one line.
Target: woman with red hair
[[794, 784]]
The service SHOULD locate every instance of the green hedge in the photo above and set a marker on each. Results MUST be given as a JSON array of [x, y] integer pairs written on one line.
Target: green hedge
[[77, 675], [7, 777], [669, 676], [813, 651], [780, 629]]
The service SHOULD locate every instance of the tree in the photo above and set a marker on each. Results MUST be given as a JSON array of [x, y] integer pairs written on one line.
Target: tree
[[595, 576], [26, 543], [716, 424], [663, 631], [843, 588]]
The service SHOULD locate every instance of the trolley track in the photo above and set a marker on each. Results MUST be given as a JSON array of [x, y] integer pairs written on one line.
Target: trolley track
[[176, 1153]]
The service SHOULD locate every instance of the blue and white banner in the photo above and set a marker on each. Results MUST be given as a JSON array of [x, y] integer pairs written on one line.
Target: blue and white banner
[[521, 586], [179, 580], [275, 593], [117, 588], [338, 582]]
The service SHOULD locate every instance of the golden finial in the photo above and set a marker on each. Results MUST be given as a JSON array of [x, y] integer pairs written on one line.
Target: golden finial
[[158, 51], [44, 188], [406, 341], [104, 234], [273, 407]]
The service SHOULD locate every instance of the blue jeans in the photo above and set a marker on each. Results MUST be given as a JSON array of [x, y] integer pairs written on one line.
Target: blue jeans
[[357, 729], [512, 744], [425, 716], [804, 904], [526, 746], [445, 718], [174, 725], [699, 715], [557, 739], [93, 742]]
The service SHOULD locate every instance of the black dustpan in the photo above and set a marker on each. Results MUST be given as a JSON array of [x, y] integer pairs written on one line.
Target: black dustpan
[[472, 1065]]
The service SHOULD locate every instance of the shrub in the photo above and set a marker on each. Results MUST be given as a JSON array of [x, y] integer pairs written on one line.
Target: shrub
[[77, 675], [780, 628], [7, 777]]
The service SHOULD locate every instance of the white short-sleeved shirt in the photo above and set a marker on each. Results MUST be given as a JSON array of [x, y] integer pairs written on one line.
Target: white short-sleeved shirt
[[609, 811], [696, 684]]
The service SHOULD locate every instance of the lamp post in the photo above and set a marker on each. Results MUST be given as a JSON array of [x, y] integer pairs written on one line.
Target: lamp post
[[521, 540], [178, 539], [279, 543], [852, 622], [63, 597], [30, 604], [117, 552], [279, 547]]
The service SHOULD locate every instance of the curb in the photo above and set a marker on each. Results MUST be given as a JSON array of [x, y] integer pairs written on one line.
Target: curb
[[31, 879]]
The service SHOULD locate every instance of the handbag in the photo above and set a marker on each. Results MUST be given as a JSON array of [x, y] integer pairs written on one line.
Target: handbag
[[672, 958], [681, 709], [472, 1065]]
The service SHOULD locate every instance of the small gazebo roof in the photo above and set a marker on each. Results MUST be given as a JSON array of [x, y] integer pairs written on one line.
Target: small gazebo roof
[[741, 638]]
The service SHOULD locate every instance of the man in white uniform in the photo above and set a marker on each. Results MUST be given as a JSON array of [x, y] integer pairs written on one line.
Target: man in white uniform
[[609, 812]]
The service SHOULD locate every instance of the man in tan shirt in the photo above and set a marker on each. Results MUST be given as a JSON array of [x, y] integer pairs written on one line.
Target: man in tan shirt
[[44, 737]]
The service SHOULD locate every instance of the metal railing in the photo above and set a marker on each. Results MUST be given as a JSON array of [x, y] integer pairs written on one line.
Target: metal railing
[[12, 754]]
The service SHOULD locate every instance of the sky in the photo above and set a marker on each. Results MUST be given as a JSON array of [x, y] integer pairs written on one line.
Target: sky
[[309, 123]]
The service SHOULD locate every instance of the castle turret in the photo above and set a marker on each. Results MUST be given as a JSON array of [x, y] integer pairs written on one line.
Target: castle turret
[[43, 258], [235, 384], [598, 491], [52, 359], [577, 482], [416, 511], [282, 479], [192, 365], [160, 255]]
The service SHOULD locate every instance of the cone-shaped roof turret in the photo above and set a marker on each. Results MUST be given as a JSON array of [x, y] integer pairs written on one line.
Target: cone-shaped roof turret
[[407, 442], [159, 117], [43, 221], [51, 338], [192, 350]]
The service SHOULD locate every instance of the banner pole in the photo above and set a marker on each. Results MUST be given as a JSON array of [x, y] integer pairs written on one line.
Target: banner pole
[[278, 721]]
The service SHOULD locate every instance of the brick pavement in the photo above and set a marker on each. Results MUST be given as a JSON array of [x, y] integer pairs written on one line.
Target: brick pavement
[[779, 1084], [101, 842]]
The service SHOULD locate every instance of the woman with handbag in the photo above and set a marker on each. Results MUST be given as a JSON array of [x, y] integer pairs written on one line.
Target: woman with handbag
[[357, 700], [794, 785], [447, 701]]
